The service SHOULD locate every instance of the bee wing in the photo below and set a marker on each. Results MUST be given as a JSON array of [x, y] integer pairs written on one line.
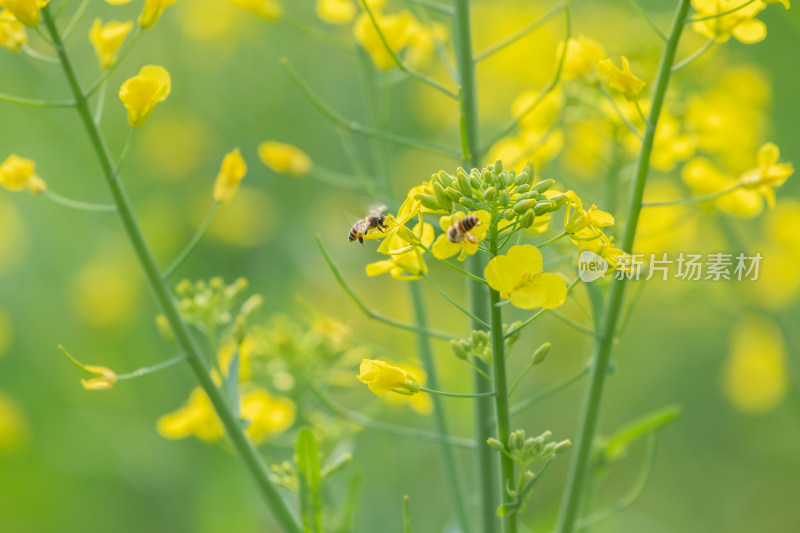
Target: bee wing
[[377, 209]]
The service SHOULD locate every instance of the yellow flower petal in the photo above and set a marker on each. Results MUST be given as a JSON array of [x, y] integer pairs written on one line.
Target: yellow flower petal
[[750, 31], [104, 381], [284, 158], [141, 93], [230, 175]]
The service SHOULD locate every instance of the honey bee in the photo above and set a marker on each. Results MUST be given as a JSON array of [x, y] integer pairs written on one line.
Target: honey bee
[[374, 221], [460, 230]]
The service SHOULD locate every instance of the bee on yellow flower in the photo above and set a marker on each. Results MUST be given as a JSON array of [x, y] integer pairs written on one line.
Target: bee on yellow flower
[[28, 12], [17, 174], [230, 176], [107, 39], [12, 32], [518, 277], [445, 246], [141, 93], [405, 257], [284, 158], [622, 79]]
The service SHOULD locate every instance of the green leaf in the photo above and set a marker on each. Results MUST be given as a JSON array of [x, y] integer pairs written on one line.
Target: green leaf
[[618, 445], [308, 473]]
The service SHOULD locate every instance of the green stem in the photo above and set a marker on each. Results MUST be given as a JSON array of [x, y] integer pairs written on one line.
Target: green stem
[[457, 305], [248, 453], [694, 199], [554, 239], [192, 244], [648, 19], [74, 20], [440, 418], [549, 391], [457, 394], [625, 120], [137, 33], [35, 54], [33, 102], [152, 369], [457, 268], [443, 9], [76, 204], [591, 407], [483, 418], [406, 516], [502, 410], [537, 314], [699, 52]]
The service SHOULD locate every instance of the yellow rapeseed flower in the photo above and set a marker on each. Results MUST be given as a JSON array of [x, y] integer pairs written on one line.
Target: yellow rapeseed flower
[[755, 377], [197, 418], [621, 79], [141, 93], [381, 377], [518, 276], [152, 11], [107, 39], [705, 178], [267, 414], [769, 174], [284, 158], [230, 176], [582, 54], [741, 23], [12, 32], [336, 11], [577, 220], [421, 403], [27, 12], [403, 33], [268, 9], [104, 378], [443, 248], [405, 258], [17, 174]]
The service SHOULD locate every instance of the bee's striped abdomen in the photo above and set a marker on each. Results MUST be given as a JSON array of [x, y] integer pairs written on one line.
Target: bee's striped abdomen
[[467, 223]]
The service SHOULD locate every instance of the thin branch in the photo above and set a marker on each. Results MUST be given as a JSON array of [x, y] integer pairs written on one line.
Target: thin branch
[[549, 391], [454, 267], [444, 9], [625, 120], [452, 301], [720, 14], [572, 323], [694, 199], [459, 395], [514, 122], [35, 54], [537, 314], [74, 20], [521, 33], [192, 243], [369, 312], [356, 127], [699, 52], [649, 20], [35, 102], [152, 369], [110, 70], [400, 63], [76, 204]]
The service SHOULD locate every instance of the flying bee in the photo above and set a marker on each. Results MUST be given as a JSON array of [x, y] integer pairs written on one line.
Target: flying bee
[[460, 230], [374, 221]]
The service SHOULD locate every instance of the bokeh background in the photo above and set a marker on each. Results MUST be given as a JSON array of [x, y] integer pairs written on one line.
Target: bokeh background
[[72, 460]]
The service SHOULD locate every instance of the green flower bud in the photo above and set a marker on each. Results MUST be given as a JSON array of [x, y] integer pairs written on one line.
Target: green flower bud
[[466, 202], [527, 219], [458, 349], [441, 197], [464, 184], [428, 201], [490, 193], [498, 166], [486, 177], [444, 178], [544, 207], [495, 444], [184, 288], [524, 205], [453, 194], [526, 196], [541, 353], [522, 188], [543, 185], [560, 200], [509, 214], [563, 446], [475, 182], [516, 441], [502, 197]]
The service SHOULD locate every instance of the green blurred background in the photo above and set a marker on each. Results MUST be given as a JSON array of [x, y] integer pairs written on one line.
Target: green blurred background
[[93, 461]]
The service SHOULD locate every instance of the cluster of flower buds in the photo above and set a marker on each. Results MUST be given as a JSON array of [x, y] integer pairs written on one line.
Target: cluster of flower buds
[[210, 303], [479, 344], [516, 196], [526, 451]]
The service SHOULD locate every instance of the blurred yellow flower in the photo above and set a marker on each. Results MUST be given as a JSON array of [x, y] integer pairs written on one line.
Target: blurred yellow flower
[[403, 33], [336, 11], [152, 11], [741, 23], [118, 2], [621, 79], [13, 427], [250, 219], [444, 248], [196, 418], [267, 414], [141, 93], [381, 377], [582, 54], [12, 32], [755, 378], [13, 238], [268, 9], [671, 144], [518, 276], [17, 174], [705, 178], [104, 379], [107, 40], [27, 12], [769, 174], [284, 158], [230, 175]]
